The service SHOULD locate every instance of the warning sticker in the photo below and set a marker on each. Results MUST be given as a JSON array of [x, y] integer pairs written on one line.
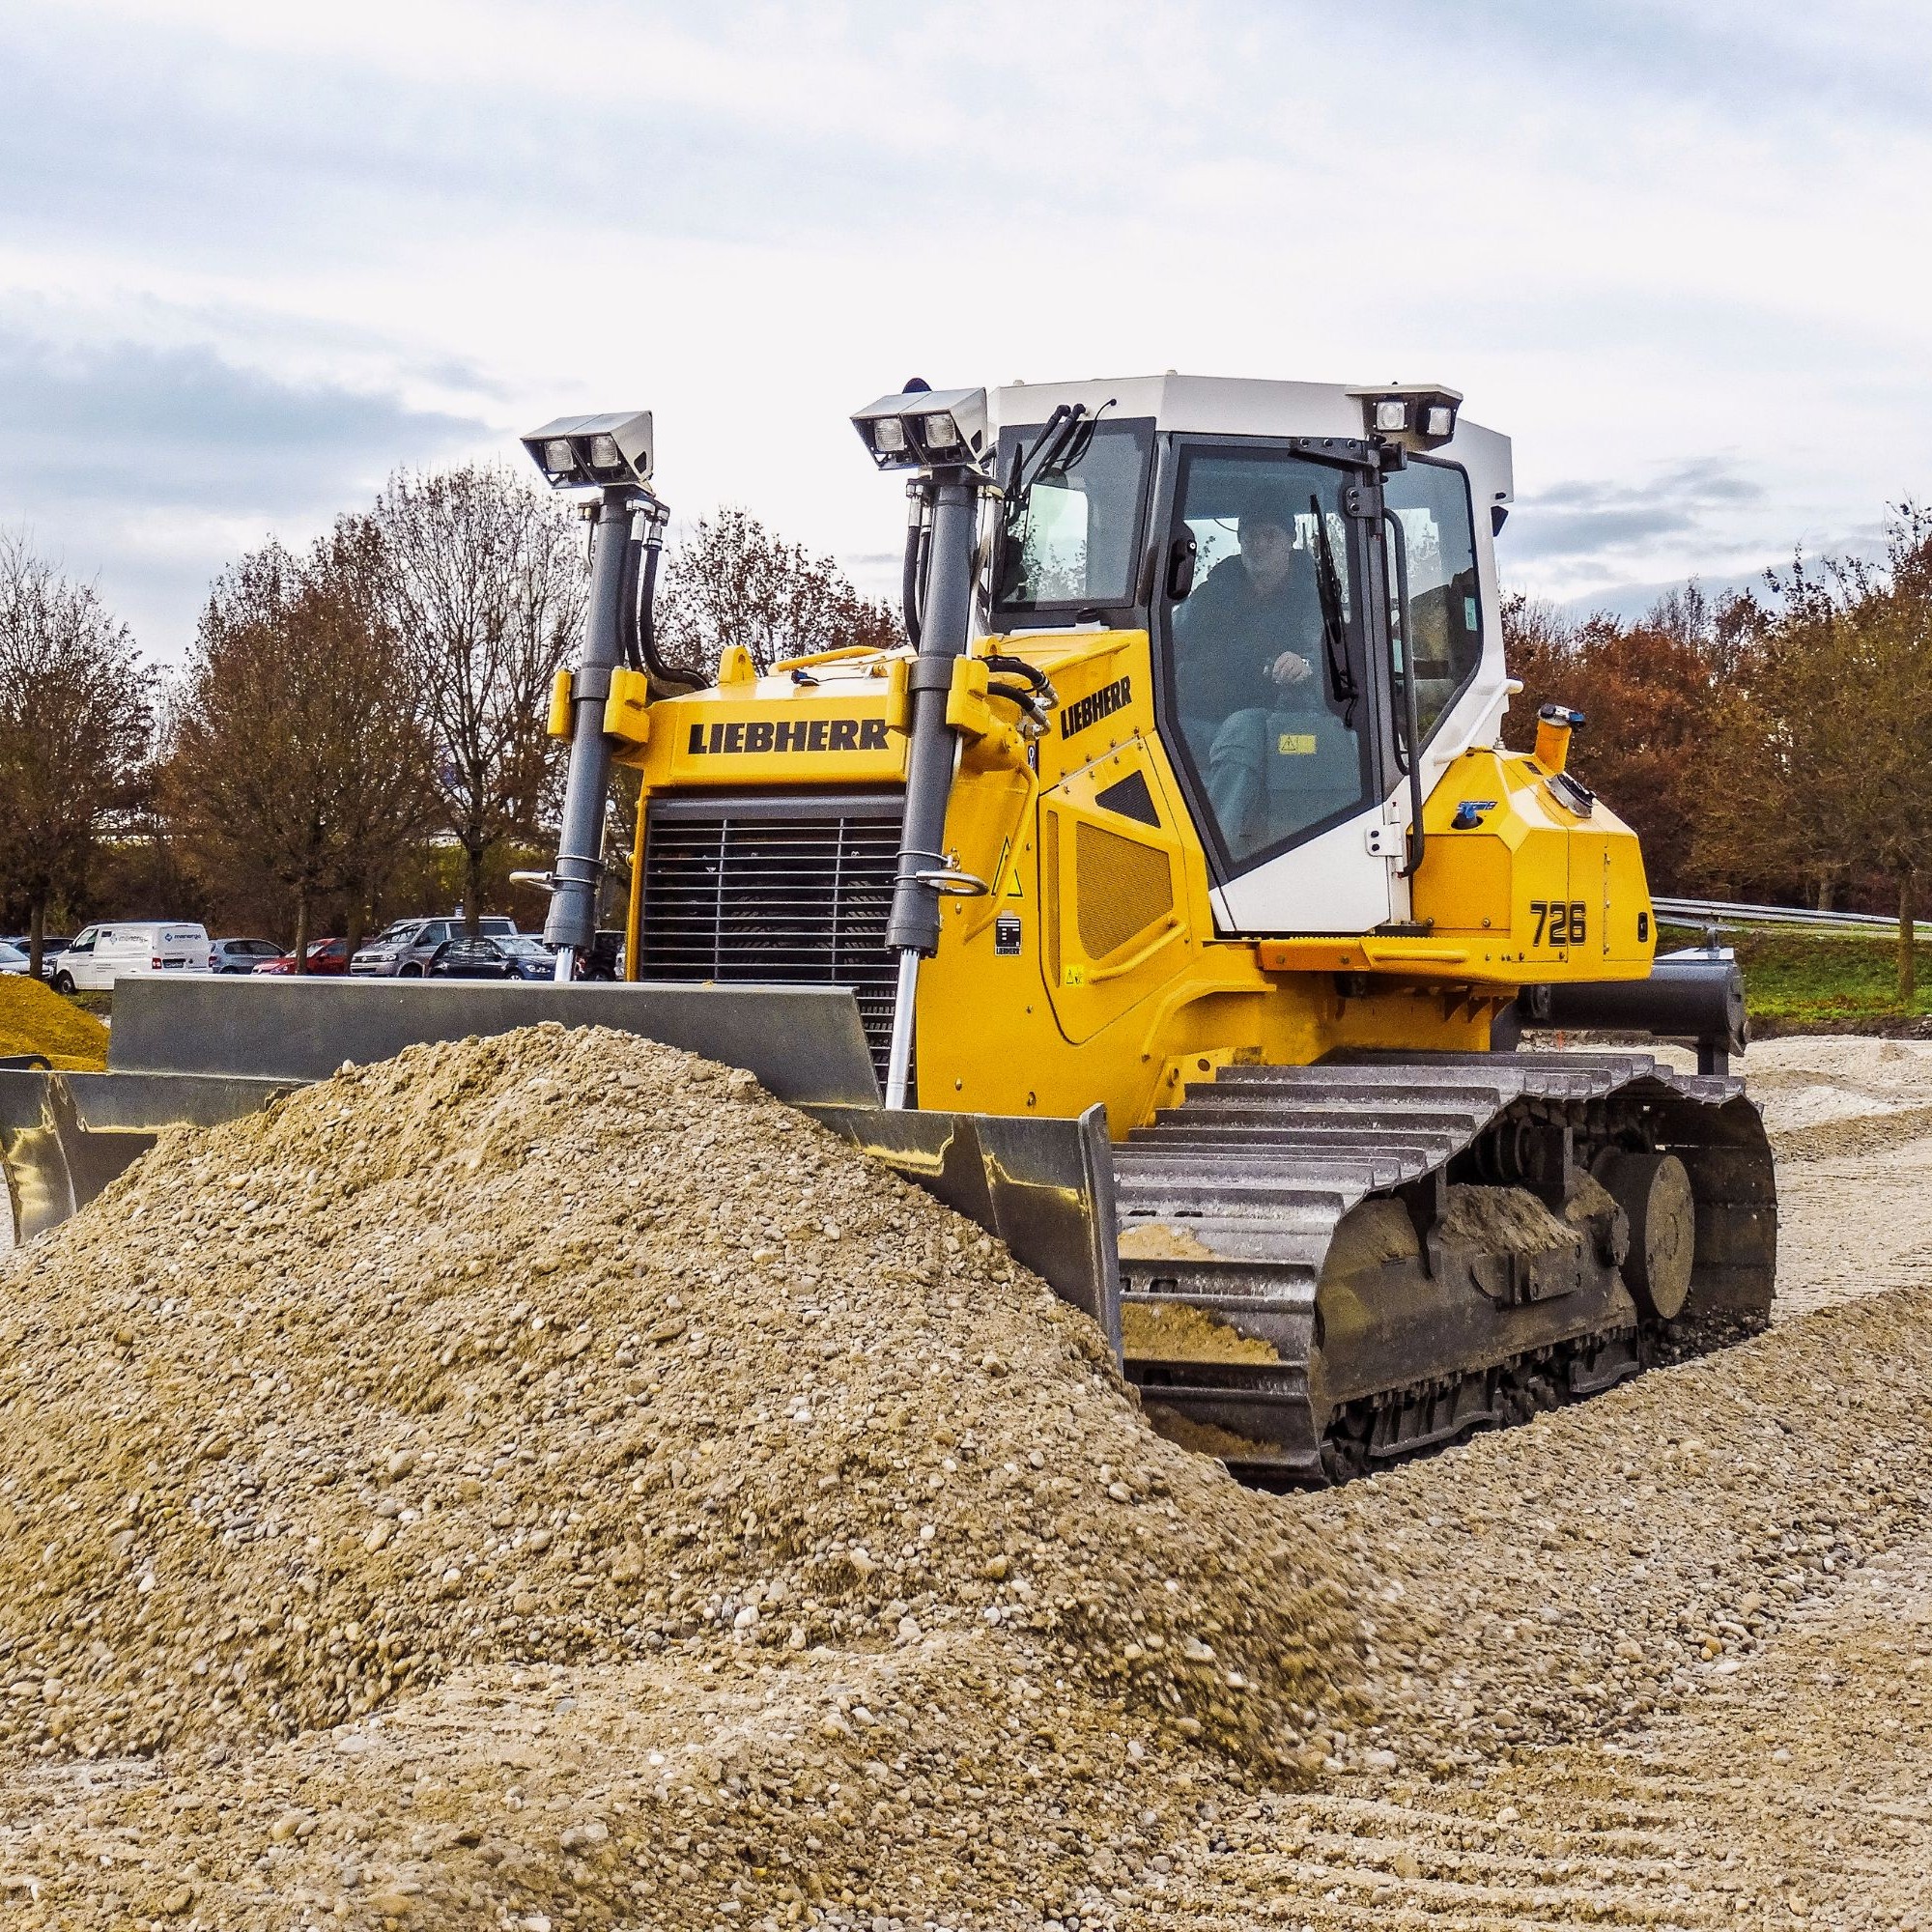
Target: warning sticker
[[1295, 743]]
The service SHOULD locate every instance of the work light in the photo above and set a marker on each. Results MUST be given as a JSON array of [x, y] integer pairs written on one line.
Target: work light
[[1418, 415], [926, 429], [576, 452]]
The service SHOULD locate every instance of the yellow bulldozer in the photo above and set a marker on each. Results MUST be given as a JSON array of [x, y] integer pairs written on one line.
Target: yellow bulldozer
[[1168, 902]]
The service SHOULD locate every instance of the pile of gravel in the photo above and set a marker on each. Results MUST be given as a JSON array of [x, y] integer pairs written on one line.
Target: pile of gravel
[[34, 1018], [563, 1347]]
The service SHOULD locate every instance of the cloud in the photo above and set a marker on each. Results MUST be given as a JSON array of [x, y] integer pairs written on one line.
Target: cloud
[[182, 426], [151, 467], [1633, 231], [1585, 518]]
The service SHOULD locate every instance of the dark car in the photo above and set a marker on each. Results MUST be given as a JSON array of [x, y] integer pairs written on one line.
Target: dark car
[[324, 955], [404, 951], [241, 955], [517, 957], [52, 946]]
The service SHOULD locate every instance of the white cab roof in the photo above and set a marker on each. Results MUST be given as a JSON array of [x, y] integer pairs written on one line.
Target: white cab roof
[[1242, 406]]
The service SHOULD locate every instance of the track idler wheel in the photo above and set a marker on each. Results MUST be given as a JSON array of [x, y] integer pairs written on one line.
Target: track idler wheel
[[1654, 1191]]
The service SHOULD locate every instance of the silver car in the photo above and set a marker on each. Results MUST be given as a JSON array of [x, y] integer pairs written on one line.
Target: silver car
[[404, 951]]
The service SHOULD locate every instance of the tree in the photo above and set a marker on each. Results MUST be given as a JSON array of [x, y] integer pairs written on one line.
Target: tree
[[734, 582], [1821, 759], [76, 712], [1649, 694], [299, 761], [484, 587]]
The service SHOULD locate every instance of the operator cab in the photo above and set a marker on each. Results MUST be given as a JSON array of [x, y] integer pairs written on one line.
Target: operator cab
[[1314, 566]]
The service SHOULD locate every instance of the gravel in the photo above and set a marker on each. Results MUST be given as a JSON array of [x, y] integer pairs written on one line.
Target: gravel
[[1659, 1658], [568, 1350]]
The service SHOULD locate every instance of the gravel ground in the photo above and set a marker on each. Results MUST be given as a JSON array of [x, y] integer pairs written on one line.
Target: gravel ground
[[1662, 1657]]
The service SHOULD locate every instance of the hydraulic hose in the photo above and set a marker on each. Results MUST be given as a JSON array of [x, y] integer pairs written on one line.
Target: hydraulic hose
[[912, 928], [667, 680]]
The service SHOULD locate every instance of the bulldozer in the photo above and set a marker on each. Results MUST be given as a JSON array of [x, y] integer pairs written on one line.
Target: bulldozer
[[1166, 902]]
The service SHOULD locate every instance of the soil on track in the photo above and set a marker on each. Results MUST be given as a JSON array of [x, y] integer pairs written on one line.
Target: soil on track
[[1662, 1657]]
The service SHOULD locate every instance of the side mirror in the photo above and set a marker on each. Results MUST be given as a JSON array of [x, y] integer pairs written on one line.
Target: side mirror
[[1181, 556]]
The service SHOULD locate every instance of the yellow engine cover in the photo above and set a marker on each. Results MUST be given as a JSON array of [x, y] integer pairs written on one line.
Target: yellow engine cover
[[1091, 969]]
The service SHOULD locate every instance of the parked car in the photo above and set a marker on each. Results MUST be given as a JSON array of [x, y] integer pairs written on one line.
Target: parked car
[[129, 949], [325, 956], [404, 951], [241, 955], [52, 946], [11, 958], [516, 956]]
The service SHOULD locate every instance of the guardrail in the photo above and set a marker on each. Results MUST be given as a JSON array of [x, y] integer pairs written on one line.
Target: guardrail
[[1729, 912]]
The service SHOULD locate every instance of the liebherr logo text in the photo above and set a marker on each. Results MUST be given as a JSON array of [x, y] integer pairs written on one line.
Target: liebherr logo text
[[1075, 718], [787, 734]]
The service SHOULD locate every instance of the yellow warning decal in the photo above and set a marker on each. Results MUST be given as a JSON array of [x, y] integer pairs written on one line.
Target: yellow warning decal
[[1009, 873], [1295, 743]]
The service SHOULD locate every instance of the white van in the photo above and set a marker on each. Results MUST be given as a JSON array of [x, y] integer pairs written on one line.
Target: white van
[[129, 950]]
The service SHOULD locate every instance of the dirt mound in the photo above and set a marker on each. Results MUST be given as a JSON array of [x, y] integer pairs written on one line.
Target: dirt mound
[[34, 1018], [568, 1345]]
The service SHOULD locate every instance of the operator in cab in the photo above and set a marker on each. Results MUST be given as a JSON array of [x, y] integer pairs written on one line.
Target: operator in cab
[[1250, 631], [1247, 644]]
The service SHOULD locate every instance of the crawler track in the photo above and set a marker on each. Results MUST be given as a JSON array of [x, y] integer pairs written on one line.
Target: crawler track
[[1231, 1203]]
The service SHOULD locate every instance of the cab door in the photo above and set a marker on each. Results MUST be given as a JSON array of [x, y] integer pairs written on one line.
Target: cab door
[[1275, 697]]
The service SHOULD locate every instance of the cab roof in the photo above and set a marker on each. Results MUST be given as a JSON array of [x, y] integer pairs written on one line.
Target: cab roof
[[1247, 406]]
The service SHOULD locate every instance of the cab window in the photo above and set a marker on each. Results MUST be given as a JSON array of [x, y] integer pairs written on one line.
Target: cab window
[[1263, 674], [1072, 523], [1442, 624]]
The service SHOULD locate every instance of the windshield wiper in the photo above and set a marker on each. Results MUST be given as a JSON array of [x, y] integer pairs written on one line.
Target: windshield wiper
[[1342, 685]]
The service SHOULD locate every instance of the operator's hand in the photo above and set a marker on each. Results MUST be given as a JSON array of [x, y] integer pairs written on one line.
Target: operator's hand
[[1288, 669]]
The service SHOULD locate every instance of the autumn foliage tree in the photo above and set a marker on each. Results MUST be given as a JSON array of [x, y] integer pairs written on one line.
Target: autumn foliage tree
[[298, 764], [76, 709], [1650, 694], [1821, 763]]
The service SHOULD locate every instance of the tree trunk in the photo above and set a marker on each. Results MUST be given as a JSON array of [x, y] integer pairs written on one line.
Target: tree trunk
[[301, 931], [357, 924], [473, 890], [1827, 883], [1908, 978], [36, 933]]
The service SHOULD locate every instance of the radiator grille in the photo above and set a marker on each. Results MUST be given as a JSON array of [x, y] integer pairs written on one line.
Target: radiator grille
[[788, 890]]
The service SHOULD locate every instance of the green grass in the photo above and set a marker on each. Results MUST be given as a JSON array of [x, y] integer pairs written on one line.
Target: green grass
[[1799, 982]]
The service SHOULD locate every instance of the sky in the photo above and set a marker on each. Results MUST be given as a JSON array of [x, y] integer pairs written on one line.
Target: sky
[[255, 257]]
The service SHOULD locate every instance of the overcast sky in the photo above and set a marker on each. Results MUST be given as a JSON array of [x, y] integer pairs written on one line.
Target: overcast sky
[[254, 256]]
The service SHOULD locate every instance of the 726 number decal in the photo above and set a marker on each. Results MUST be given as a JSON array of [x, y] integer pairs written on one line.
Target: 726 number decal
[[1558, 924]]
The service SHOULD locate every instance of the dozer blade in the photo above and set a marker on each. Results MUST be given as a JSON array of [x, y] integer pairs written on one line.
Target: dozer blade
[[804, 1043], [64, 1136], [196, 1052], [1045, 1187], [1291, 1300]]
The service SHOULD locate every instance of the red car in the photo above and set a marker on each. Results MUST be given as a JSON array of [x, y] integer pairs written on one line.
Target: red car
[[324, 955]]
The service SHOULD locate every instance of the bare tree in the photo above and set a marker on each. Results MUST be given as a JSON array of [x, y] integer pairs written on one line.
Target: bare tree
[[734, 582], [298, 756], [386, 792], [486, 589], [75, 717]]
